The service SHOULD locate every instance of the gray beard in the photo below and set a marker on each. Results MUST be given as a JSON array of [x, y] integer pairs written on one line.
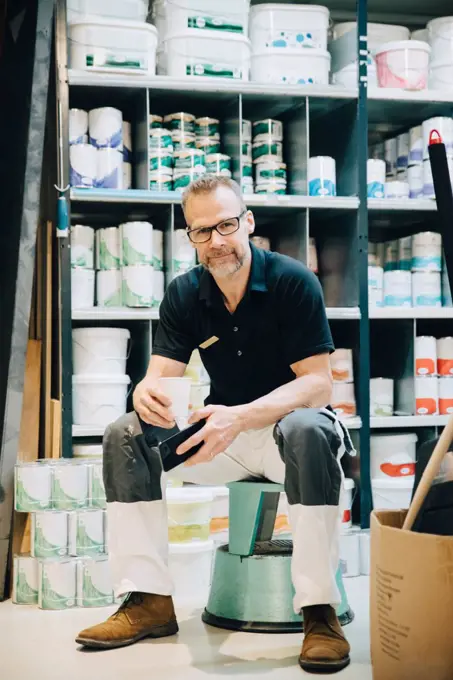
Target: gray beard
[[227, 270]]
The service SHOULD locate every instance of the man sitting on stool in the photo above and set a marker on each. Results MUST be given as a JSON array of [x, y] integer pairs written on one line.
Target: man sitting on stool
[[259, 322]]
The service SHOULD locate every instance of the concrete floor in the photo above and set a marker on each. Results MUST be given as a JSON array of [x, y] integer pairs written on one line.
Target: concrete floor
[[40, 645]]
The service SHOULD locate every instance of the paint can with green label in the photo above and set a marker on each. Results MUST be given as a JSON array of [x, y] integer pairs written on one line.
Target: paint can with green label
[[180, 121], [57, 583], [267, 150], [218, 164], [136, 240], [86, 533], [94, 582], [207, 127], [49, 534], [69, 486], [268, 127], [25, 580], [96, 484], [33, 486], [138, 286], [108, 254]]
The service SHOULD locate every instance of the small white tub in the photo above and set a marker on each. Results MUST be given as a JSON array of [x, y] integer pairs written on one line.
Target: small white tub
[[99, 400], [113, 45], [175, 16], [208, 54], [190, 567], [288, 26], [291, 66], [392, 494], [403, 64], [189, 514], [100, 350], [393, 455]]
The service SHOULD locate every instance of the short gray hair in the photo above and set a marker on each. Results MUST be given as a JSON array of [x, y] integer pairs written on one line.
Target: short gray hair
[[209, 183]]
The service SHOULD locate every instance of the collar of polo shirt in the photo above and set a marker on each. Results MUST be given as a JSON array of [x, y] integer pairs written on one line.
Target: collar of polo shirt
[[209, 291]]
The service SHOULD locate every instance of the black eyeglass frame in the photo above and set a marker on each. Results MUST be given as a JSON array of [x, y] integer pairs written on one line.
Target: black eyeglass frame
[[215, 227]]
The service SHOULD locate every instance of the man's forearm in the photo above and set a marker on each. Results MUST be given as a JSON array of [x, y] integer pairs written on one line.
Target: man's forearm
[[308, 391]]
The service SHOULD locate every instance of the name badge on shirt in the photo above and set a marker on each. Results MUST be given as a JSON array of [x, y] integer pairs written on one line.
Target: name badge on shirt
[[208, 343]]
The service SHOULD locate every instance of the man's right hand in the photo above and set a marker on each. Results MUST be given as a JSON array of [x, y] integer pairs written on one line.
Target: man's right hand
[[152, 405]]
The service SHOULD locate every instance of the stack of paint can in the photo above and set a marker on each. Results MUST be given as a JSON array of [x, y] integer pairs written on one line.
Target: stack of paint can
[[426, 269], [247, 185], [82, 266], [68, 564], [433, 375], [267, 155], [343, 397]]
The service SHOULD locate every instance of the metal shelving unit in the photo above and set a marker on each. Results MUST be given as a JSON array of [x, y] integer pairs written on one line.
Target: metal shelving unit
[[410, 422]]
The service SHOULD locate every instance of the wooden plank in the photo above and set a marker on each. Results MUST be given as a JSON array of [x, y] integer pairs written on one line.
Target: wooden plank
[[47, 343], [29, 427], [56, 428]]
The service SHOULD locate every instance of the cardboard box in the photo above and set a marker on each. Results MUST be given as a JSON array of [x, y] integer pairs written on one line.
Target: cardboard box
[[411, 601]]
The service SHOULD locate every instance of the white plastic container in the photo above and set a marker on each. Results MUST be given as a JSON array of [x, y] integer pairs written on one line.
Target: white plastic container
[[96, 488], [440, 33], [94, 582], [57, 584], [346, 503], [377, 33], [267, 150], [205, 54], [138, 286], [291, 66], [396, 189], [131, 10], [343, 400], [397, 288], [87, 452], [392, 494], [322, 179], [420, 34], [99, 400], [69, 486], [426, 396], [445, 396], [49, 534], [82, 288], [403, 64], [100, 350], [158, 250], [415, 145], [106, 128], [82, 166], [375, 286], [381, 397], [108, 288], [160, 138], [82, 246], [415, 180], [426, 289], [445, 356], [136, 243], [402, 151], [160, 182], [272, 170], [393, 455], [441, 74], [182, 140], [25, 580], [350, 553], [348, 76], [427, 252], [182, 178], [78, 126], [425, 355], [218, 164], [288, 26], [161, 160], [207, 127], [444, 126], [108, 252], [32, 486], [86, 533], [220, 512], [171, 16], [190, 567], [109, 174], [189, 514], [188, 158], [342, 366], [268, 128], [98, 44], [375, 178]]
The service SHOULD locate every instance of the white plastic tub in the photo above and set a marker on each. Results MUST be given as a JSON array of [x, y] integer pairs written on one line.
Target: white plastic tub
[[348, 76], [113, 45], [393, 455], [190, 567], [392, 494], [440, 32], [441, 74], [174, 16], [82, 288], [291, 66], [131, 10], [377, 33], [207, 54], [100, 350], [189, 514], [403, 64], [288, 26], [99, 400]]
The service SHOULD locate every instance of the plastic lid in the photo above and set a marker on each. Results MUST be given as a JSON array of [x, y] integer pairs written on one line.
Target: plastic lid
[[209, 35], [89, 19], [219, 491], [292, 51], [348, 484], [394, 483], [101, 330], [97, 378], [191, 547], [403, 45], [189, 495], [288, 7], [408, 437]]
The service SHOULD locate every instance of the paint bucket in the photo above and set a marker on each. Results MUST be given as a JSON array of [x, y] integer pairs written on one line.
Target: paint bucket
[[397, 288], [57, 584], [390, 156], [426, 289], [100, 350], [393, 456], [94, 582], [69, 486], [207, 127], [189, 514], [426, 396], [381, 397], [341, 365], [78, 126], [161, 161], [375, 178], [266, 150], [425, 355], [99, 400], [82, 247], [108, 252], [405, 253], [391, 255], [190, 567], [138, 286], [415, 180], [208, 144], [180, 121], [33, 486], [392, 494], [109, 288], [218, 164], [445, 356], [25, 580], [263, 129], [416, 145], [109, 173], [86, 533], [106, 128], [158, 287], [402, 151], [160, 138], [375, 286], [188, 158], [158, 250], [347, 497], [136, 241], [49, 534], [82, 288], [183, 141], [82, 166], [322, 176], [96, 487], [396, 189], [343, 400], [270, 171], [427, 251], [183, 254]]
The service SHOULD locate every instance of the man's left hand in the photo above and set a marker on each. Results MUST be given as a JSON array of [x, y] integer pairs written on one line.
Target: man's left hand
[[222, 427]]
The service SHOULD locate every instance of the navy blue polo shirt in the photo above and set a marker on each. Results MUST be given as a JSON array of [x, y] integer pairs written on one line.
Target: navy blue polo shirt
[[280, 320]]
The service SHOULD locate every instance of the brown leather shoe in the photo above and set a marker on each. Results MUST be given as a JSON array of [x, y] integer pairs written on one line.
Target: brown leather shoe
[[140, 615], [325, 648]]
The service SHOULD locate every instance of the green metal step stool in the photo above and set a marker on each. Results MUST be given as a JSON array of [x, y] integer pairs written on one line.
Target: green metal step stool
[[251, 587]]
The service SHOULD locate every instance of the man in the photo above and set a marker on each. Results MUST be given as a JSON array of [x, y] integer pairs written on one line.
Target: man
[[259, 322]]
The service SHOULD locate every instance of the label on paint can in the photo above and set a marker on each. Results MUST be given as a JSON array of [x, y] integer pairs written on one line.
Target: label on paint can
[[136, 240], [94, 582], [69, 486], [25, 580], [426, 289], [138, 286], [33, 486], [86, 533], [96, 484], [49, 534], [57, 584], [108, 248], [426, 396], [425, 355], [397, 289]]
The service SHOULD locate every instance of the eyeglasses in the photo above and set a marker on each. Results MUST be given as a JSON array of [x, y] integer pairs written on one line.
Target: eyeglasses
[[224, 228]]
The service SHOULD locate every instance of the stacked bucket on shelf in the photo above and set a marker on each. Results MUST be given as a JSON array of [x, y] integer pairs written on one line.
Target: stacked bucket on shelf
[[267, 155], [433, 375], [343, 397], [393, 459]]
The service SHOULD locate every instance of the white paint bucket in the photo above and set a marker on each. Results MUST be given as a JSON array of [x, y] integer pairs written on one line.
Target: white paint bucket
[[347, 497], [446, 396], [181, 120], [100, 350], [161, 160], [392, 494], [82, 288], [160, 139], [132, 10], [136, 239], [375, 286], [183, 254], [109, 288], [189, 514], [265, 150], [393, 456], [350, 553], [57, 584], [444, 126], [208, 144], [190, 567], [49, 534], [218, 164], [381, 397], [377, 33], [86, 533], [96, 489], [82, 166], [390, 156], [32, 487], [416, 145], [210, 54], [343, 400], [160, 181], [158, 250], [403, 64], [415, 180], [273, 170], [268, 127], [207, 127], [402, 151], [440, 33], [396, 189], [341, 365], [98, 400], [291, 66], [441, 74], [405, 253], [138, 286], [375, 178], [425, 355], [183, 141], [219, 523], [25, 580], [78, 126], [426, 289], [348, 75], [158, 287], [397, 288], [426, 396], [288, 26], [391, 255], [109, 173], [322, 176], [182, 178], [82, 246], [445, 356], [127, 141], [69, 486], [94, 582], [108, 252], [112, 45], [106, 128], [171, 16], [189, 158], [427, 251]]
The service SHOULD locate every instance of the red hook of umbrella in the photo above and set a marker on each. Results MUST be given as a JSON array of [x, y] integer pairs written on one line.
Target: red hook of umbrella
[[434, 137]]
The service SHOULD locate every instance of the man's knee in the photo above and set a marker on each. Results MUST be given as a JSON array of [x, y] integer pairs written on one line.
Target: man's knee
[[304, 432]]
